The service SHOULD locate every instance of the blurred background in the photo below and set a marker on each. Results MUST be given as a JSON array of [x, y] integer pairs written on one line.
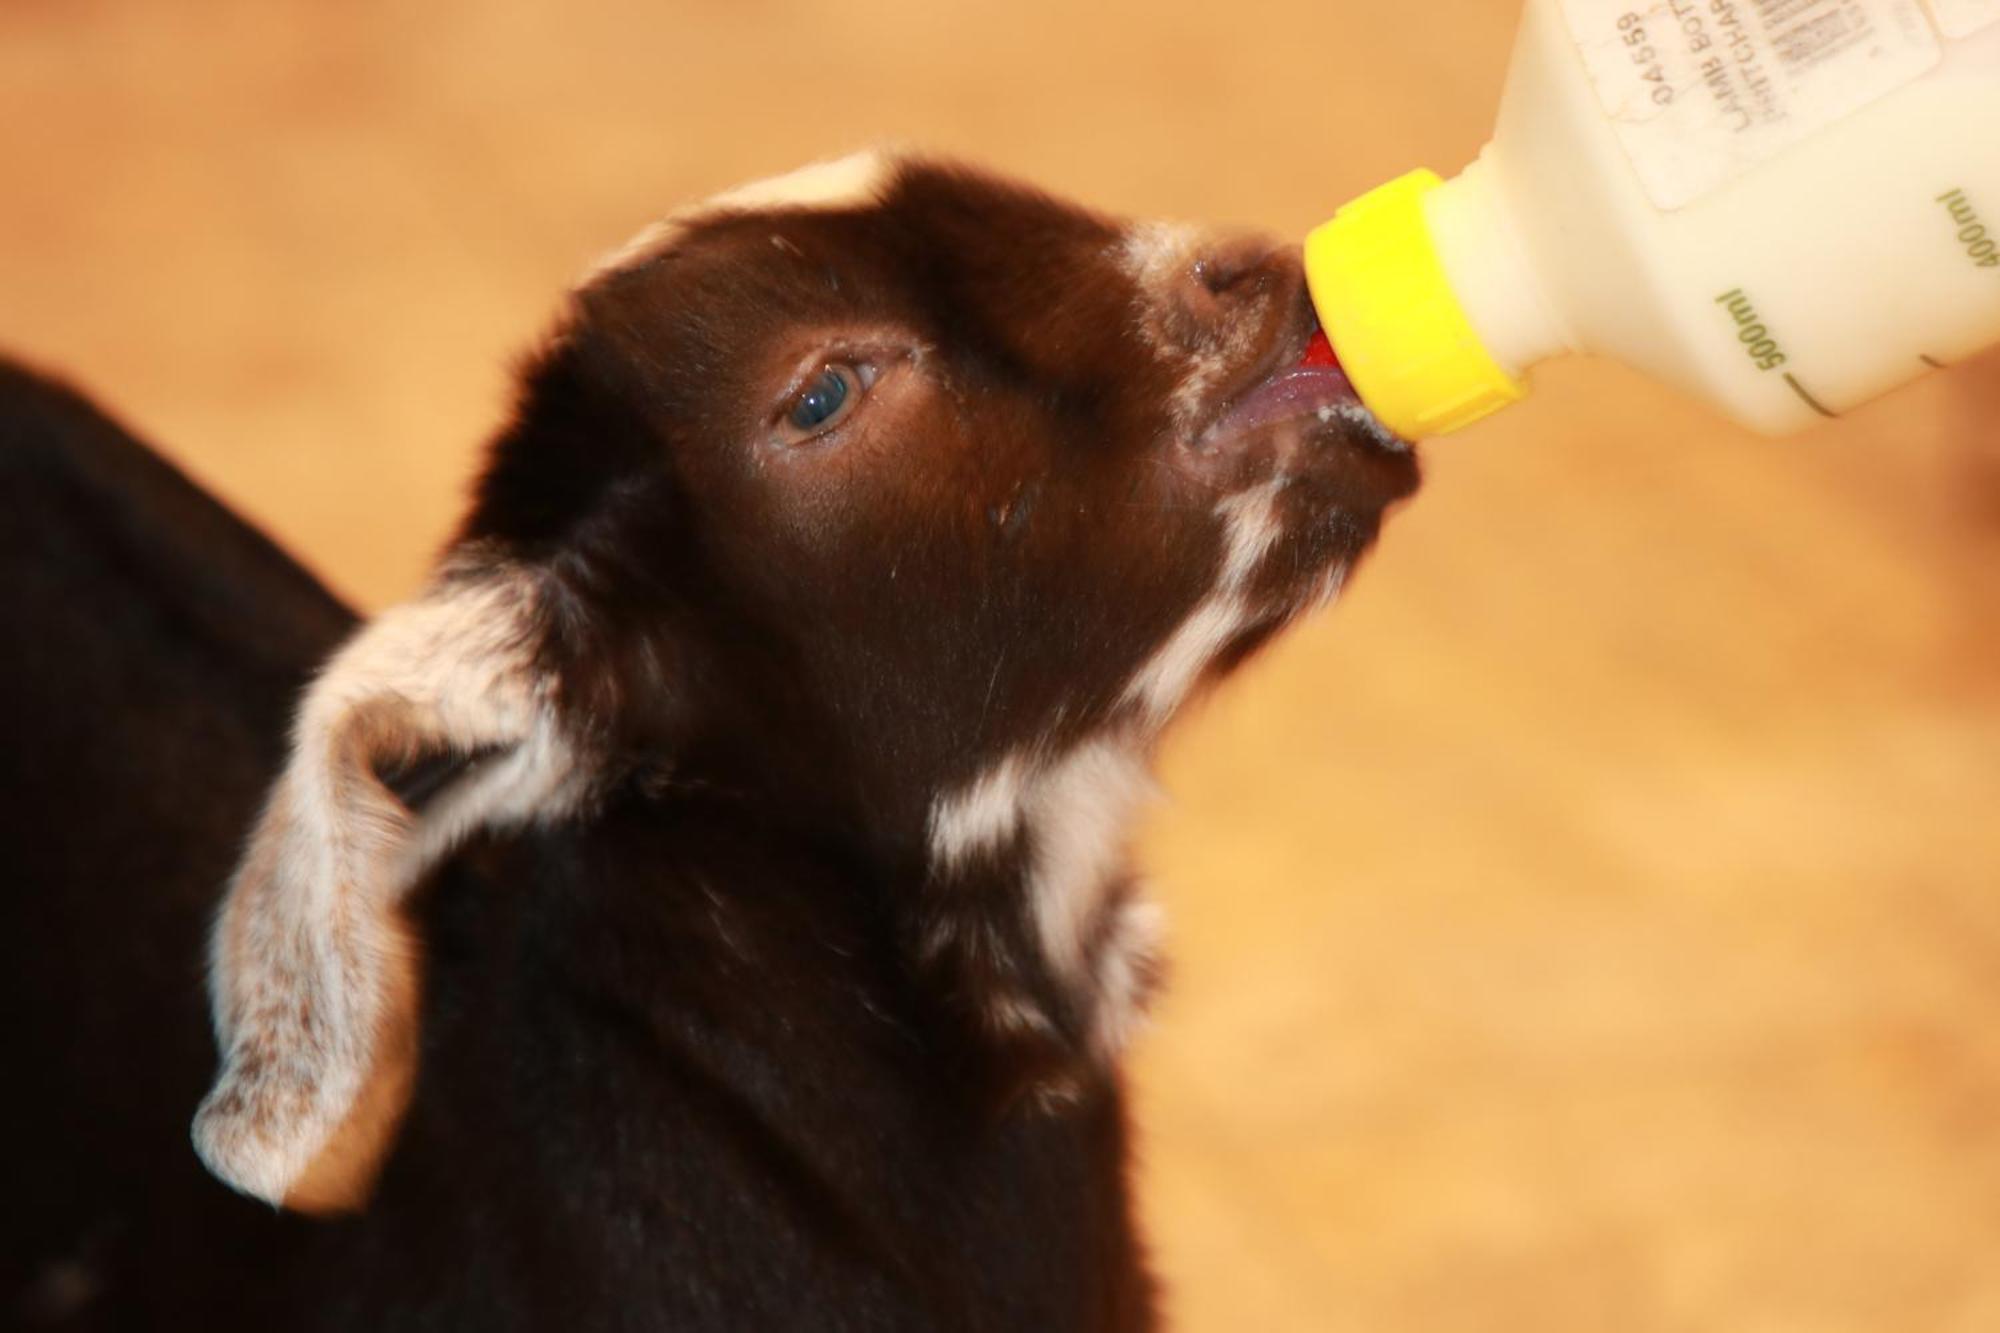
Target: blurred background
[[1593, 924]]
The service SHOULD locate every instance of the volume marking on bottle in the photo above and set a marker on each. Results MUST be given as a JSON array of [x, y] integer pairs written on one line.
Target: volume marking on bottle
[[1973, 232], [1751, 330]]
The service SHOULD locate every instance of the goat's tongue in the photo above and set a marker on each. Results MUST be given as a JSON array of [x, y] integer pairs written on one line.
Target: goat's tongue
[[1319, 352]]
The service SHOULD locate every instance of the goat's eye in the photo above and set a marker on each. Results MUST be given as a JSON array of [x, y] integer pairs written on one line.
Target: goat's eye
[[827, 398], [822, 400]]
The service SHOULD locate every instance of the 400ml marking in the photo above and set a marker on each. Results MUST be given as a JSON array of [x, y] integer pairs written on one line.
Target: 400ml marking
[[1973, 234]]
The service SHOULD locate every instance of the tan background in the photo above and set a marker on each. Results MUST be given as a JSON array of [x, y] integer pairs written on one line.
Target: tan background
[[1590, 926]]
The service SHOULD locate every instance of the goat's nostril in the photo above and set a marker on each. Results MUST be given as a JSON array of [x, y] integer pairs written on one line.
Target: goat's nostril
[[1224, 266]]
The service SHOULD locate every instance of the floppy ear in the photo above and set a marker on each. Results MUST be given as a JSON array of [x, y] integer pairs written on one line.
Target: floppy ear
[[312, 976]]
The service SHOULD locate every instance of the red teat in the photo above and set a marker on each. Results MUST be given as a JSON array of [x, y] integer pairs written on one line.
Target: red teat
[[1319, 352]]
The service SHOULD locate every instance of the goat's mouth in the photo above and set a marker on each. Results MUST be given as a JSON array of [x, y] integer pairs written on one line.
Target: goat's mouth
[[1299, 380], [1294, 420]]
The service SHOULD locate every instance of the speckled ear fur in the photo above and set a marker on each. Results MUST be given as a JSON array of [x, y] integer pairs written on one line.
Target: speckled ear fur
[[313, 979]]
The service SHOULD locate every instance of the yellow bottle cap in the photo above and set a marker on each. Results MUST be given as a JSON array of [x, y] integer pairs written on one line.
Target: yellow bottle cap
[[1393, 319]]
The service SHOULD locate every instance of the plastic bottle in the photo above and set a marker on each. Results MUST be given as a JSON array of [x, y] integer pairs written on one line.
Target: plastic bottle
[[1785, 207]]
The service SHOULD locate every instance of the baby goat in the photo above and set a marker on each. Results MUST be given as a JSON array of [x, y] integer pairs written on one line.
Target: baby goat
[[706, 904]]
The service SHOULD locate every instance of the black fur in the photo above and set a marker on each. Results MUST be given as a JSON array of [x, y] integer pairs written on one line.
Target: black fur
[[156, 648]]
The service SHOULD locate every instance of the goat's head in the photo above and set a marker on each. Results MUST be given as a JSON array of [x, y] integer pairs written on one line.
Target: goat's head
[[906, 501]]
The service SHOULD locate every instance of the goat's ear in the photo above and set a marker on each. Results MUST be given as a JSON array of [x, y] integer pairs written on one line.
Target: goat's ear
[[313, 978]]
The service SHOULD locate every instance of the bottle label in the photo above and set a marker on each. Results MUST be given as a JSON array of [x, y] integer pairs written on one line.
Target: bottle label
[[1702, 91]]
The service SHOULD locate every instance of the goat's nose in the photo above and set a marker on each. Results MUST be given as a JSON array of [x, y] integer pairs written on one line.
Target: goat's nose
[[1230, 276], [1223, 265]]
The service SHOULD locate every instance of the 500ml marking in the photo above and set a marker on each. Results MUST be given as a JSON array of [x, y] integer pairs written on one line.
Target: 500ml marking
[[1761, 347], [1750, 330], [1972, 233]]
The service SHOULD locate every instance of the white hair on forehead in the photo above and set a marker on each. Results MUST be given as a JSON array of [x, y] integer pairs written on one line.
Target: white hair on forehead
[[841, 182]]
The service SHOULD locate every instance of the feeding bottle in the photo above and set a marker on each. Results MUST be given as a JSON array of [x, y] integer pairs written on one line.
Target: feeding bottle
[[1784, 207]]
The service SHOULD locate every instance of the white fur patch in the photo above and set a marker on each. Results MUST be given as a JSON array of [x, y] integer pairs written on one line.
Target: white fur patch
[[1160, 257], [1077, 810], [1163, 683], [1251, 526], [841, 182], [845, 182], [981, 816], [1080, 810], [1203, 371], [304, 952], [1126, 966], [1155, 253]]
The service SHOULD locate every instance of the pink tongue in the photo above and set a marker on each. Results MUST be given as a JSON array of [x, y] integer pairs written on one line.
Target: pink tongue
[[1319, 352]]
